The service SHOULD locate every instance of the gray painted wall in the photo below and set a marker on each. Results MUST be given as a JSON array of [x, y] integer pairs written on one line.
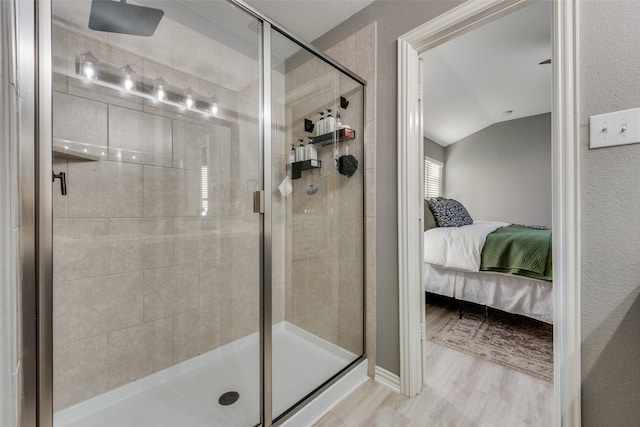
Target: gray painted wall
[[610, 198], [394, 19], [433, 150], [503, 172]]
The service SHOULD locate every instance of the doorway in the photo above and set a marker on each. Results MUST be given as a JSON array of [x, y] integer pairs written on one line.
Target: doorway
[[564, 199]]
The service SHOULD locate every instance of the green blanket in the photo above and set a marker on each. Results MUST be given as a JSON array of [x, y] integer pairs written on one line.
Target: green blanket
[[518, 249]]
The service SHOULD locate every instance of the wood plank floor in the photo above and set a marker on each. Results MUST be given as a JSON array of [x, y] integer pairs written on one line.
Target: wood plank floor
[[460, 390]]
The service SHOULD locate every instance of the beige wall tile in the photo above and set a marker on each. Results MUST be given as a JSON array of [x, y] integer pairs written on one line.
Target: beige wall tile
[[140, 350], [80, 249], [370, 199], [370, 144], [316, 315], [196, 332], [81, 371], [371, 241], [67, 12], [197, 239], [350, 194], [171, 290], [216, 62], [79, 120], [350, 283], [102, 304], [157, 47], [350, 239], [196, 146], [104, 190], [216, 276], [350, 327], [137, 137], [171, 192], [140, 244], [370, 107], [344, 52], [240, 316], [323, 278], [365, 51]]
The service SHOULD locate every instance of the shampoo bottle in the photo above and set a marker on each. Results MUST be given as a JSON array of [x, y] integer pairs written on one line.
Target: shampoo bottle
[[320, 124], [329, 122], [311, 152], [300, 153], [292, 154]]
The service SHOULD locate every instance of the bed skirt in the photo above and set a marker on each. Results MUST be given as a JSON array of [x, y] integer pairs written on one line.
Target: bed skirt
[[514, 294]]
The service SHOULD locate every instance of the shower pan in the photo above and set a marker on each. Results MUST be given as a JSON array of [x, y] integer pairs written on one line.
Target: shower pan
[[185, 286]]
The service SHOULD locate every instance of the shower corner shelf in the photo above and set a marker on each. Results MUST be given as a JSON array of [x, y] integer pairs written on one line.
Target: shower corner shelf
[[74, 154], [331, 137], [298, 167]]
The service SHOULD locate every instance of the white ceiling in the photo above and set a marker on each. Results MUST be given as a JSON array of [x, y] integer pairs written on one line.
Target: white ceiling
[[309, 19], [471, 80]]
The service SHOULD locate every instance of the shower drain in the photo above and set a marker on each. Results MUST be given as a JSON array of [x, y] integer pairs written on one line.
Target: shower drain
[[229, 398]]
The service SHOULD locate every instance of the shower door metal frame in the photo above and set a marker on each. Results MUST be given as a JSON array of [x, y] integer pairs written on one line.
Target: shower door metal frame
[[34, 38]]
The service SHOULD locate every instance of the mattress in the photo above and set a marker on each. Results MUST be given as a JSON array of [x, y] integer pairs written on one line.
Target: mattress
[[514, 294]]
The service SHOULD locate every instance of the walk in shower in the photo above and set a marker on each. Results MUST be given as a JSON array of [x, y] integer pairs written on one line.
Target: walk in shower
[[207, 216]]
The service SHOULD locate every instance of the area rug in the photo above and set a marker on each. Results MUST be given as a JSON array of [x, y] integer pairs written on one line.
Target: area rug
[[517, 342]]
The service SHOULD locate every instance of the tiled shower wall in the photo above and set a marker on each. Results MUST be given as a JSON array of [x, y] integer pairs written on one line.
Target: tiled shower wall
[[141, 279], [326, 246]]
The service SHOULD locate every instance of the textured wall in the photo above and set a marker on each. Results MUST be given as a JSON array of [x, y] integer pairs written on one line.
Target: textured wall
[[433, 150], [610, 178], [394, 18], [503, 172]]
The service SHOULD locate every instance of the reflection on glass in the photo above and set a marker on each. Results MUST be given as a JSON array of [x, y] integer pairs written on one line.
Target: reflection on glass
[[156, 276], [318, 226]]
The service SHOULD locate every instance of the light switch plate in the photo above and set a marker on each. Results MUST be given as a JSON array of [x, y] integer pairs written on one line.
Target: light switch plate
[[617, 128]]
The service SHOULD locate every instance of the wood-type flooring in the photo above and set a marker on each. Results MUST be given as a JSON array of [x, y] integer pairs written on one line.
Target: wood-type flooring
[[459, 391]]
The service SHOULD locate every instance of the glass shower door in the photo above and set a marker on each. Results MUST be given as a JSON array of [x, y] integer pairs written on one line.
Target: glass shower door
[[156, 245], [318, 222]]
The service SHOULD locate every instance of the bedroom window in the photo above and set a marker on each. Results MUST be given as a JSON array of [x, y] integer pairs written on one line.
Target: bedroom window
[[432, 178]]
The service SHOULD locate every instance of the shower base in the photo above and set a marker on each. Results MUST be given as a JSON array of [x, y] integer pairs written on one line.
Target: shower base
[[187, 394]]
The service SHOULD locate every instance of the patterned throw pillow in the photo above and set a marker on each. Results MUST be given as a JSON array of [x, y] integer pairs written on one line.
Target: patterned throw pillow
[[449, 213]]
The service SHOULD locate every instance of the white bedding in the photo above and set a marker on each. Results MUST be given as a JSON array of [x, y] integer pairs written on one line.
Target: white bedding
[[452, 258], [458, 247]]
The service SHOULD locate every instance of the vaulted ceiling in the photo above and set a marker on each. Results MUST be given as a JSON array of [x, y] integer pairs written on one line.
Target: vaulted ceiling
[[489, 75]]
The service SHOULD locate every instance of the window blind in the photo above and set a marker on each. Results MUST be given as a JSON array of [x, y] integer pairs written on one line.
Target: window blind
[[432, 179]]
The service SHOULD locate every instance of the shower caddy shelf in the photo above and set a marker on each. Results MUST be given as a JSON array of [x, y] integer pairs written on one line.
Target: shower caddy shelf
[[331, 137], [298, 167]]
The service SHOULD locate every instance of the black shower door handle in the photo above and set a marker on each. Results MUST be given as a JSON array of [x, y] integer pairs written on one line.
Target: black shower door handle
[[63, 181]]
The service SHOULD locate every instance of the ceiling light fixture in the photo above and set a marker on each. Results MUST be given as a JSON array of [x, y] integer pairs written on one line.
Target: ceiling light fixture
[[88, 64], [128, 78], [158, 90], [189, 101]]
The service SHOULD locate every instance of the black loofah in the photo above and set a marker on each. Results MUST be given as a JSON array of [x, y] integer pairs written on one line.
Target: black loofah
[[347, 165]]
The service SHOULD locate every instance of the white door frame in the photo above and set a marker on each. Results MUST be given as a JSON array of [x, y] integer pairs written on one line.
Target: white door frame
[[566, 208]]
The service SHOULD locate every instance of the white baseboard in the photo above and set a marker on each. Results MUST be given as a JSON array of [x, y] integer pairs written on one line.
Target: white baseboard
[[387, 378]]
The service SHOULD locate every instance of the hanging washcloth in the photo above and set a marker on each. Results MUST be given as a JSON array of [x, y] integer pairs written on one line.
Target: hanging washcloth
[[285, 186]]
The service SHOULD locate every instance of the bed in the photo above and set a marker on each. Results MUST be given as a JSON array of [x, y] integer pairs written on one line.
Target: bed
[[496, 264]]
